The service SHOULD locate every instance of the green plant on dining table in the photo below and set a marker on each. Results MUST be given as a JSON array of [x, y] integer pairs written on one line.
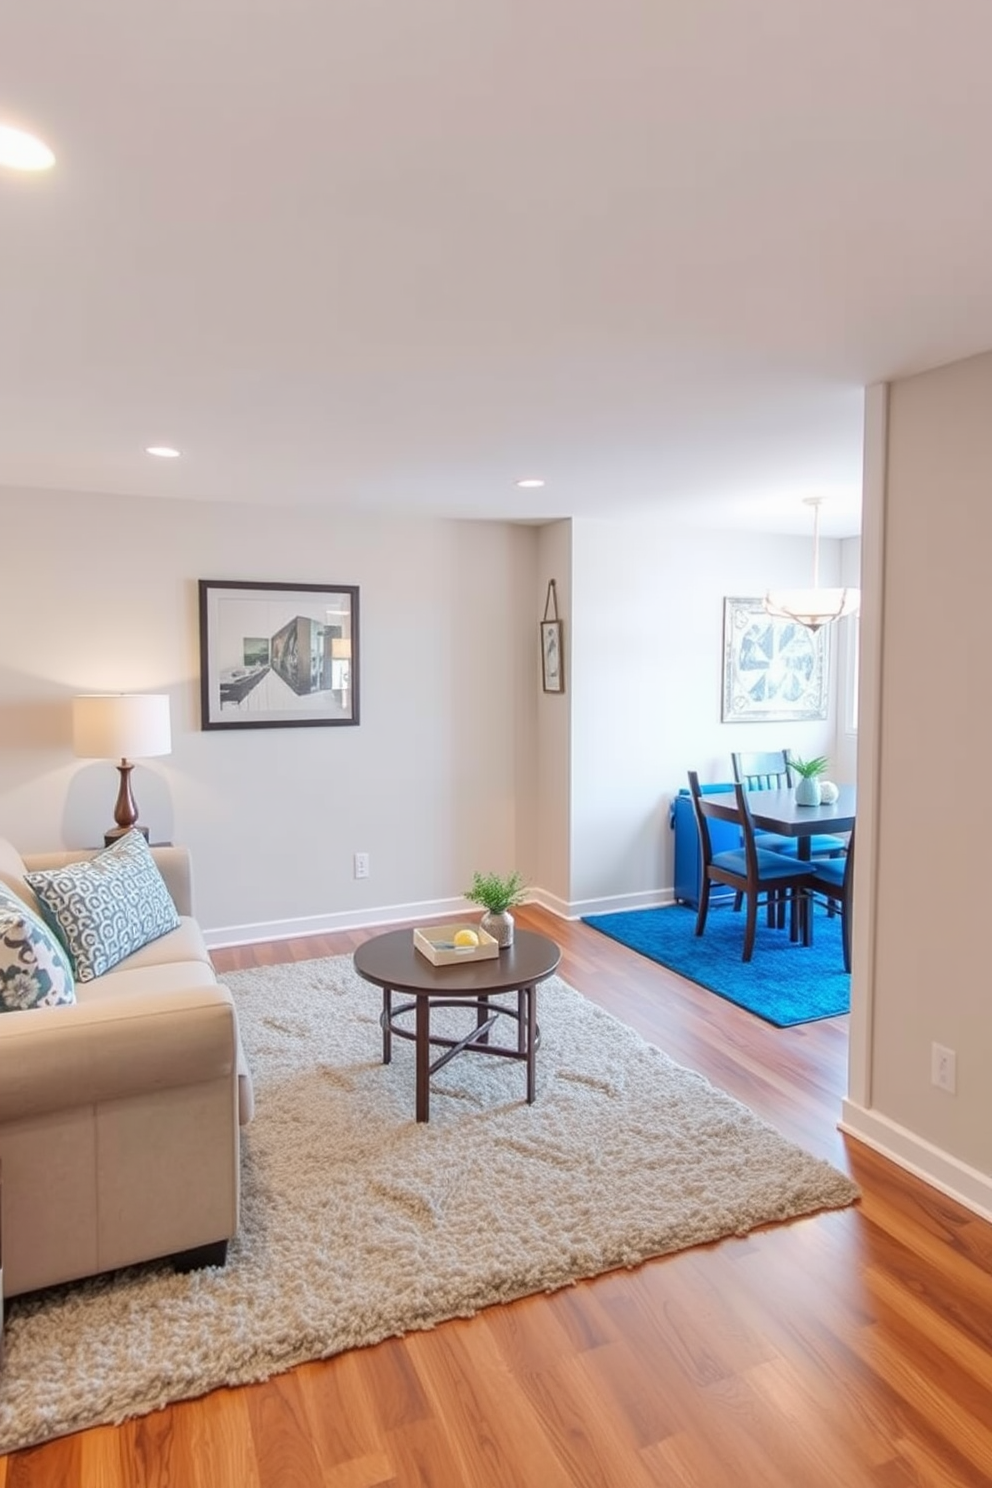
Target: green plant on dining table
[[808, 769], [496, 893]]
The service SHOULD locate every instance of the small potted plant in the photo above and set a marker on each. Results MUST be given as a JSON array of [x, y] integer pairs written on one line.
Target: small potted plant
[[809, 772], [497, 895]]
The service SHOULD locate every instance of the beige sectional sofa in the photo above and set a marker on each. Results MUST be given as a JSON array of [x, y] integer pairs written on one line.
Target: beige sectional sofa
[[120, 1113]]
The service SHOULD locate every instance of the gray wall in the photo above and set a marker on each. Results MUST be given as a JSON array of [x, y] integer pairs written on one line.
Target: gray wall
[[926, 973], [433, 783], [460, 760]]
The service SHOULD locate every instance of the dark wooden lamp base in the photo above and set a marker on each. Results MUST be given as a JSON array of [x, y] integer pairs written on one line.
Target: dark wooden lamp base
[[116, 833], [125, 809]]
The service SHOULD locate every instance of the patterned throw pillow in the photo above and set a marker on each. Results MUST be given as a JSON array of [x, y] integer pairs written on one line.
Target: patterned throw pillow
[[108, 906], [34, 968]]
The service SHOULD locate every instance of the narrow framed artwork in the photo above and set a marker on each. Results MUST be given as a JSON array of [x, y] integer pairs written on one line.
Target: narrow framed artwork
[[552, 643], [277, 655], [773, 670]]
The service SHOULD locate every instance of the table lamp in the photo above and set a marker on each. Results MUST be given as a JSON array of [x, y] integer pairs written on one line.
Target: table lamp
[[122, 726]]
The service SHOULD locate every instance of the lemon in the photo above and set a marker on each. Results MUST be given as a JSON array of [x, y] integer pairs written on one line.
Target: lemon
[[465, 938]]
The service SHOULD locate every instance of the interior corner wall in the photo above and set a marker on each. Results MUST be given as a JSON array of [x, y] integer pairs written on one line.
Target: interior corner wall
[[844, 754], [429, 781], [646, 687], [930, 981], [551, 812]]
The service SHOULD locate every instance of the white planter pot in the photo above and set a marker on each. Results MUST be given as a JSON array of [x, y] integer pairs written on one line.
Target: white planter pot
[[808, 792]]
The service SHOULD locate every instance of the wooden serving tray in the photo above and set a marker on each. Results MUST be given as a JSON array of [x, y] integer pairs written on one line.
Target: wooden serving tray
[[435, 942]]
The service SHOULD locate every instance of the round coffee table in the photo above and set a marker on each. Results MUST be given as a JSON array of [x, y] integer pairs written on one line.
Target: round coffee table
[[391, 962]]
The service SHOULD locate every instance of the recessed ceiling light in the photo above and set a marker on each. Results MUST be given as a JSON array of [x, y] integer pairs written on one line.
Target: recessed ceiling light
[[22, 151], [530, 483], [162, 451]]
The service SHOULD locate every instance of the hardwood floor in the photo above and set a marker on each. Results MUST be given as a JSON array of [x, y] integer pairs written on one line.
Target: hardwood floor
[[849, 1350]]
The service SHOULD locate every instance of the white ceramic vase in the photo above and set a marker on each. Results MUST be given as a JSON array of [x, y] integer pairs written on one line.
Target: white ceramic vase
[[499, 926], [808, 791]]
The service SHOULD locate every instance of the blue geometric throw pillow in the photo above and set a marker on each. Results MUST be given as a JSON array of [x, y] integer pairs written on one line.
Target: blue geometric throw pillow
[[34, 968], [108, 906]]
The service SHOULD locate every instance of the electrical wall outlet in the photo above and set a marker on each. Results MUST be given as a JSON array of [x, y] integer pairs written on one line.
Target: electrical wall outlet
[[943, 1068], [362, 865]]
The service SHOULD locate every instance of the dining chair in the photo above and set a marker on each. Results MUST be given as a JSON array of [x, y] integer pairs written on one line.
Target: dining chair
[[834, 878], [752, 871], [762, 771]]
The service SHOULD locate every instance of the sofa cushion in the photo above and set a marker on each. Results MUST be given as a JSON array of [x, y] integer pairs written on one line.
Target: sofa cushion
[[185, 943], [125, 981], [107, 906], [34, 968]]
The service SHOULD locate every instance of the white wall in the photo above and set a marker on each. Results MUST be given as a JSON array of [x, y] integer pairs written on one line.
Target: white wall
[[647, 656], [102, 595], [929, 977]]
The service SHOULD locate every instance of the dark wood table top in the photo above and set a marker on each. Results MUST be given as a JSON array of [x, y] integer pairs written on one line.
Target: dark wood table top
[[777, 811], [392, 960]]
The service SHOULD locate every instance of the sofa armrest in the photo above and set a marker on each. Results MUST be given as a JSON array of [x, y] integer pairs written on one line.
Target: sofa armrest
[[59, 1058], [176, 867], [174, 864]]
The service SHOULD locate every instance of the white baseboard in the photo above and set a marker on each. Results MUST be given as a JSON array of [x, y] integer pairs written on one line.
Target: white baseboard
[[550, 902], [575, 909], [391, 914], [346, 919], [967, 1185]]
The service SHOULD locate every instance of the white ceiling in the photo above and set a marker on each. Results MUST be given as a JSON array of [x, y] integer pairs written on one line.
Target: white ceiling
[[395, 254]]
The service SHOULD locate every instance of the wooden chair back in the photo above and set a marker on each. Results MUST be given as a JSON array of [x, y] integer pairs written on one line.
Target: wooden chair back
[[747, 834], [704, 814], [763, 771]]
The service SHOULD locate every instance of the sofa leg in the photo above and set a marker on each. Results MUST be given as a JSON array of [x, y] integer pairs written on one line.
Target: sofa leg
[[202, 1255]]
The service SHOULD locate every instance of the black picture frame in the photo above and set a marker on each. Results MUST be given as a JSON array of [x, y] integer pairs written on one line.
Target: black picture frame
[[552, 643], [552, 667], [278, 655]]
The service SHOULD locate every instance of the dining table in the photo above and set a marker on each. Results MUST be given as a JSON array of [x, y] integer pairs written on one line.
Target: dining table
[[778, 811]]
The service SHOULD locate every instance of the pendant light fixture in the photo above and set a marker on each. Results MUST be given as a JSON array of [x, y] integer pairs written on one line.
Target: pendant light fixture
[[815, 606]]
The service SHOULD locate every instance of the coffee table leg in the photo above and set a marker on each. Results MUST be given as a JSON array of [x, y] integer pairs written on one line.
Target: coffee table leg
[[521, 1020], [423, 1046], [531, 1038], [387, 1025], [481, 1016]]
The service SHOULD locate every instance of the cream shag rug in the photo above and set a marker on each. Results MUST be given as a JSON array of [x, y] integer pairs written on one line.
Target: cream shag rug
[[358, 1224]]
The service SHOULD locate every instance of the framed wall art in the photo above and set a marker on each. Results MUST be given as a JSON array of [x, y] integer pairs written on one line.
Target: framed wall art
[[552, 659], [773, 670], [277, 655]]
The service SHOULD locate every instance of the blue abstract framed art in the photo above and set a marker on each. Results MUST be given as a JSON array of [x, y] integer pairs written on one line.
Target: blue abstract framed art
[[773, 670]]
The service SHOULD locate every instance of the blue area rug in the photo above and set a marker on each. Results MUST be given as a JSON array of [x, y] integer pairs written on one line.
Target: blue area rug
[[783, 983]]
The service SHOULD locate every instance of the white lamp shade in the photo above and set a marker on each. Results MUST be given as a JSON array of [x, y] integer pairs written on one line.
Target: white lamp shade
[[812, 607], [121, 725]]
